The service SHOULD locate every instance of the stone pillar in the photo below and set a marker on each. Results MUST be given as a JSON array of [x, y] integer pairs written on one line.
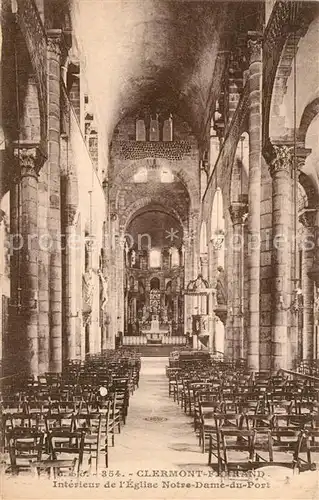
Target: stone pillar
[[314, 276], [214, 147], [120, 281], [308, 220], [71, 254], [133, 310], [28, 161], [188, 275], [43, 267], [54, 223], [106, 268], [254, 195], [238, 214], [280, 171], [204, 176], [204, 266]]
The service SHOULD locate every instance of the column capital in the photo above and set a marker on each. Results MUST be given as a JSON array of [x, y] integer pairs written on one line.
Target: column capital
[[55, 41], [301, 156], [238, 212], [307, 217], [203, 259], [28, 159], [254, 45], [280, 158], [71, 215]]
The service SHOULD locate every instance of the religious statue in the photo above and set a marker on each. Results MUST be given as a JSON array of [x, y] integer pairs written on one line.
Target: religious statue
[[87, 295], [165, 316], [221, 286], [126, 250], [133, 258], [104, 293], [144, 314]]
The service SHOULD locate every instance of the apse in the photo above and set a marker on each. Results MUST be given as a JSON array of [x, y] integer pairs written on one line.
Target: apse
[[155, 229]]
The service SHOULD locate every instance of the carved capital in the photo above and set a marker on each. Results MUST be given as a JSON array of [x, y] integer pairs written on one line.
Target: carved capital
[[281, 159], [114, 216], [238, 212], [308, 217], [204, 259], [28, 160], [71, 215], [301, 156], [55, 41], [2, 215], [254, 45]]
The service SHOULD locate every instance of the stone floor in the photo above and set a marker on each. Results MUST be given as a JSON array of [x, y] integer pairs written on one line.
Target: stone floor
[[158, 439]]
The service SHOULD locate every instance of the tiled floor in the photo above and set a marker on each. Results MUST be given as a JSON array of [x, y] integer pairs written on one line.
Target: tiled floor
[[146, 448]]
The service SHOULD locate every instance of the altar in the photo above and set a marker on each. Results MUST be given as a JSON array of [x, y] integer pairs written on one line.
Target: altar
[[155, 333]]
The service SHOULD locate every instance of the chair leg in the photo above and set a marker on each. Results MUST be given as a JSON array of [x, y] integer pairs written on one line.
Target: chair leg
[[210, 451], [203, 441]]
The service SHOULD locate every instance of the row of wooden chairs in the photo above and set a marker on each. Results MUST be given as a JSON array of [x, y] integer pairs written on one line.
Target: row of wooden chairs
[[48, 420], [239, 413]]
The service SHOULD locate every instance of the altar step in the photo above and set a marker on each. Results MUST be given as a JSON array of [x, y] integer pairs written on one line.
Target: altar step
[[153, 350]]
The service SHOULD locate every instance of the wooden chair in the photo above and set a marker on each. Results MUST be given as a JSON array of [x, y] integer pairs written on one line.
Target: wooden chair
[[25, 446], [207, 423], [59, 421], [113, 419], [236, 450], [309, 450], [62, 445], [91, 424], [284, 446]]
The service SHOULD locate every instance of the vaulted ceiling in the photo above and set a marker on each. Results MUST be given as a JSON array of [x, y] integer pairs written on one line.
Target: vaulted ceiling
[[138, 52]]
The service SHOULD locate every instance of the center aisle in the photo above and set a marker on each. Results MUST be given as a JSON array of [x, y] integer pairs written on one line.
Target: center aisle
[[148, 441]]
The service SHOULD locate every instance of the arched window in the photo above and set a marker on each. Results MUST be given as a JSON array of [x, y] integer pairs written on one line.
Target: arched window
[[141, 175], [155, 284], [217, 233], [166, 175], [154, 129], [168, 129], [155, 257], [240, 171], [174, 257], [140, 130]]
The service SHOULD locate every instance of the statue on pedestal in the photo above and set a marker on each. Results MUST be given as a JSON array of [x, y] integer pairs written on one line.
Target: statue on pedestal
[[144, 314]]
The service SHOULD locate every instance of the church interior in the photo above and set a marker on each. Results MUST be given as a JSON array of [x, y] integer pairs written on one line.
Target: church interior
[[159, 224]]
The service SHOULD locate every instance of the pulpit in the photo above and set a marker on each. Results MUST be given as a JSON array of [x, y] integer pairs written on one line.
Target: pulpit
[[203, 300]]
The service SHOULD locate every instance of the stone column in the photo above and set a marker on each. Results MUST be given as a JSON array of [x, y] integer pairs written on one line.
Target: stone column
[[308, 220], [204, 266], [71, 254], [43, 266], [133, 310], [254, 195], [193, 239], [238, 213], [28, 161], [54, 223], [188, 275], [214, 147], [106, 267], [280, 171], [120, 281]]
